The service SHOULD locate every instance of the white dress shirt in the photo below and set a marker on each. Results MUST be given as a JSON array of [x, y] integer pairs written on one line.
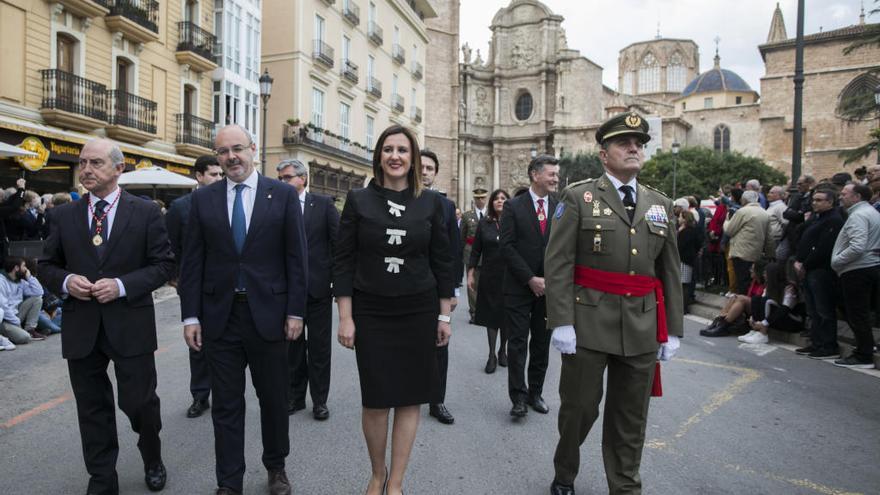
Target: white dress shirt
[[632, 183], [107, 226], [302, 201], [248, 195], [535, 199]]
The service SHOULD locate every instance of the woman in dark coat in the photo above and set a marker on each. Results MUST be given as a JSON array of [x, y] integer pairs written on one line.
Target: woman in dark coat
[[486, 255], [393, 284]]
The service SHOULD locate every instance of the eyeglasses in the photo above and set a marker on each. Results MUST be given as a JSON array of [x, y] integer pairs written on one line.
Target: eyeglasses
[[237, 149], [287, 178]]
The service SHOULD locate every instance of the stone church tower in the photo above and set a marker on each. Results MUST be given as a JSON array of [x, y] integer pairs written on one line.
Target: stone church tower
[[441, 112], [531, 95], [658, 70]]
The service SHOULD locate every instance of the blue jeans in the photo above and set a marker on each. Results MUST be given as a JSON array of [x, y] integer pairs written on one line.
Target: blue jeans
[[45, 323], [821, 296]]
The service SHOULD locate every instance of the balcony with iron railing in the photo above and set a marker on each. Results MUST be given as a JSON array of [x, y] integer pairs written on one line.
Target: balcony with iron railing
[[85, 8], [195, 47], [349, 71], [398, 53], [195, 136], [322, 53], [416, 114], [323, 140], [130, 117], [351, 12], [397, 103], [374, 32], [73, 102], [374, 87], [137, 20], [417, 70]]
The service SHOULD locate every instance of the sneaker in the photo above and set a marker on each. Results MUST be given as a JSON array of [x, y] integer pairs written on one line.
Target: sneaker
[[743, 338], [756, 338], [819, 354], [803, 351], [854, 362], [35, 335], [6, 344]]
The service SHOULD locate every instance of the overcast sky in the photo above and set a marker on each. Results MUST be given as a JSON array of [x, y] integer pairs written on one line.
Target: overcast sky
[[600, 28]]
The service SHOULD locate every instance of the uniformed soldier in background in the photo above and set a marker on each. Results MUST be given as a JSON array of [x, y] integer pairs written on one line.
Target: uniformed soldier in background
[[469, 222], [613, 296]]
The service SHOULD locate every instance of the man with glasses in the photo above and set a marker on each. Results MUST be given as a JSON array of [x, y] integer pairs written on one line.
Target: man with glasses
[[309, 357], [106, 254], [813, 264], [208, 171], [242, 285]]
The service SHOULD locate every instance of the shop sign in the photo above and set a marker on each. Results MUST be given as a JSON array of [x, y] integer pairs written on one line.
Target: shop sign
[[144, 163], [33, 163]]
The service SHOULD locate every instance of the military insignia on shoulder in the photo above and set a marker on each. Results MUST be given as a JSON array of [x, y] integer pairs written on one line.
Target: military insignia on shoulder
[[633, 120], [578, 183], [661, 193], [560, 209]]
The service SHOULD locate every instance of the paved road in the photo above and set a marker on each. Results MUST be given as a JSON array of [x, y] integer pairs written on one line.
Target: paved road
[[735, 420]]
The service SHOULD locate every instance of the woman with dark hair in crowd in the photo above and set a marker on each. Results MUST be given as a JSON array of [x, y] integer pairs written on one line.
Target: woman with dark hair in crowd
[[778, 307], [733, 317], [393, 283], [688, 247], [486, 254]]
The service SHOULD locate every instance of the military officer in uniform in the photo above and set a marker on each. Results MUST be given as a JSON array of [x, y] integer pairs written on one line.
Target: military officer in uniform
[[469, 222], [613, 301]]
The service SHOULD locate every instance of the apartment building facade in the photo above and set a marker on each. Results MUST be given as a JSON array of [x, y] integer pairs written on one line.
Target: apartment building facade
[[344, 70], [236, 89], [136, 71]]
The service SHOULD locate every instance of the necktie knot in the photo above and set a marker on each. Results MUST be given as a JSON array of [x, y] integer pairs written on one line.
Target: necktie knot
[[540, 202], [99, 207], [239, 188]]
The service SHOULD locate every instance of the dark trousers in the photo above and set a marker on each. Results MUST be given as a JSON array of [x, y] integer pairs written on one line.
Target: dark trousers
[[526, 316], [859, 287], [821, 298], [199, 376], [238, 347], [742, 271], [136, 391], [309, 356], [624, 420]]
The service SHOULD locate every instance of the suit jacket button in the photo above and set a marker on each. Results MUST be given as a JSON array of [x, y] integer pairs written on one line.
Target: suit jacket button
[[635, 251], [632, 231], [632, 272], [577, 299], [628, 294], [598, 227]]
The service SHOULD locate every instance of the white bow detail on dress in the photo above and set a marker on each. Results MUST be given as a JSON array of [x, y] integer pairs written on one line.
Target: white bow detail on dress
[[395, 208], [393, 264], [394, 236]]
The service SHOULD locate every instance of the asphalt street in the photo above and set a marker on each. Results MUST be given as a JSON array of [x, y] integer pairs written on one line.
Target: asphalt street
[[735, 419]]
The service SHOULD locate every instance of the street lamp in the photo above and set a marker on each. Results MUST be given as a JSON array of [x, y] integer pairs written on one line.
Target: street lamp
[[675, 148], [534, 151], [265, 93]]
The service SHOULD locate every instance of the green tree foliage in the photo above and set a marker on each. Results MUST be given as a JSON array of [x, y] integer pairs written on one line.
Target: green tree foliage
[[861, 105], [573, 168], [701, 171]]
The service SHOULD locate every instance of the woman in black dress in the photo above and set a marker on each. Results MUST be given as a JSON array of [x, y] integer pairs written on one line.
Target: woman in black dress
[[490, 301], [393, 284]]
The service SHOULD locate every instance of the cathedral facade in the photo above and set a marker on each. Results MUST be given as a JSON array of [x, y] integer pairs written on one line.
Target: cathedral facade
[[532, 94]]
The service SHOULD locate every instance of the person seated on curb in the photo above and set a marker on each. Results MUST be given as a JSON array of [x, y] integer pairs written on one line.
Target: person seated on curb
[[779, 307], [733, 316], [21, 298], [49, 321]]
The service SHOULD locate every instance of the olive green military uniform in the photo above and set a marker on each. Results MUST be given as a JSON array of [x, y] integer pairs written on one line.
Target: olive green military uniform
[[469, 222], [591, 228]]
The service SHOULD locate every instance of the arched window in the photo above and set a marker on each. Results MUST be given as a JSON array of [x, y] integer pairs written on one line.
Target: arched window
[[649, 75], [523, 108], [722, 138], [856, 101], [628, 82], [675, 73]]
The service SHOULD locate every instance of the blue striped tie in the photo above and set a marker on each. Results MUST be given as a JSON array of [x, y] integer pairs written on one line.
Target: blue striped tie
[[239, 228]]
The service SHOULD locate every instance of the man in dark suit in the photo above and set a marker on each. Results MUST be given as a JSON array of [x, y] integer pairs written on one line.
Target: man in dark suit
[[208, 171], [309, 357], [525, 230], [430, 169], [106, 253], [243, 296]]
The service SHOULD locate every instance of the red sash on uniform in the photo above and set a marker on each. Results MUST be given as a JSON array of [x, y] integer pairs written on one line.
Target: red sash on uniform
[[623, 284], [469, 240]]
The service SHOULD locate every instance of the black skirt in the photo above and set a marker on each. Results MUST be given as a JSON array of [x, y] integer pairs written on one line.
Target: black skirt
[[490, 300], [395, 343]]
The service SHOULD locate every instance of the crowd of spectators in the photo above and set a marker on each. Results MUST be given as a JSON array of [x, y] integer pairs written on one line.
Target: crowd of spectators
[[791, 261]]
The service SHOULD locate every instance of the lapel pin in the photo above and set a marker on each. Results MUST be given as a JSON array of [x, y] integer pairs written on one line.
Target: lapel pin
[[269, 196]]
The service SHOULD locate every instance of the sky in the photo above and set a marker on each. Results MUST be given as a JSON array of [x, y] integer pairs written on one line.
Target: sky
[[601, 28]]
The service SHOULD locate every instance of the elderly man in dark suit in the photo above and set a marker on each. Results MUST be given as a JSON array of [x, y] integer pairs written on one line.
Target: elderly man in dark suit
[[525, 230], [243, 297], [309, 356], [106, 253], [208, 171]]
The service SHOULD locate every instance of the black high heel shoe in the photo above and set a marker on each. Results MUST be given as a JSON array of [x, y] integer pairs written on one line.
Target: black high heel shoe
[[385, 483]]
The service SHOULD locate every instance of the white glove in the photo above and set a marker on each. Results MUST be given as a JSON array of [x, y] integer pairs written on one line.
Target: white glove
[[668, 350], [564, 339]]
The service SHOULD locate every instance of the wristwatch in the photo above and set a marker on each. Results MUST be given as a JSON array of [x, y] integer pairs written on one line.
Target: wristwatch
[[444, 318]]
